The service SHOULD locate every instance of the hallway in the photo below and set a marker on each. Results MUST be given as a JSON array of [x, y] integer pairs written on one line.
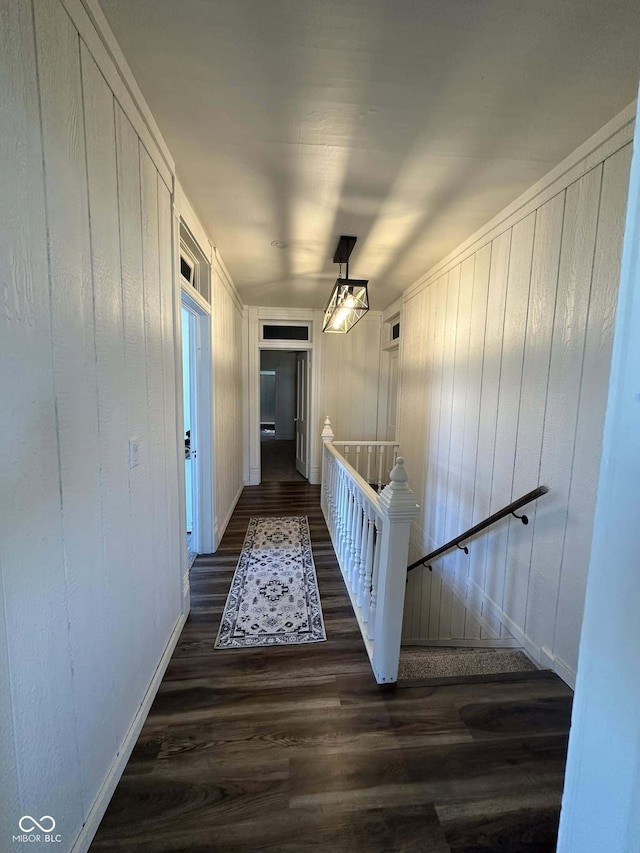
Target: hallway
[[296, 749]]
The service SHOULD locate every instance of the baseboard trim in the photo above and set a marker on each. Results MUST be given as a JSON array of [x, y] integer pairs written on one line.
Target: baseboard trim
[[543, 656], [315, 475], [99, 807], [222, 527], [559, 667]]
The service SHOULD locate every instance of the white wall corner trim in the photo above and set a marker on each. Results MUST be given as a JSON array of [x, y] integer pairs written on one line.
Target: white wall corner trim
[[100, 804], [225, 276]]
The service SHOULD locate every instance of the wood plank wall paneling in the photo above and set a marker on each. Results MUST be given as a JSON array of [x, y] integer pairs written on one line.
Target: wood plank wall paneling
[[228, 414], [74, 363], [99, 130], [171, 402], [504, 379], [90, 585], [39, 720], [351, 381], [158, 579], [593, 401]]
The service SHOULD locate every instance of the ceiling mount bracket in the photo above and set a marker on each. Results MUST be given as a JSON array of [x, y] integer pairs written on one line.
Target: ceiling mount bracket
[[344, 249]]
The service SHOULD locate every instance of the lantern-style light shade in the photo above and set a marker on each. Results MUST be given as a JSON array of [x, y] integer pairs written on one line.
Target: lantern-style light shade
[[348, 303]]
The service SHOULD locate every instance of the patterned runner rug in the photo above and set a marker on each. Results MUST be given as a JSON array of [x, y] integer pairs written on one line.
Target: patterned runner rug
[[274, 599]]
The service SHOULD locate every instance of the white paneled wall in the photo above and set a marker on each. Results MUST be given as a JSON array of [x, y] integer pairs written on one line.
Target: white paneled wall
[[227, 396], [351, 381], [90, 548], [505, 362]]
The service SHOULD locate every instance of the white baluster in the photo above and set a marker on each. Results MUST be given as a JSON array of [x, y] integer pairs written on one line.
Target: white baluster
[[342, 515], [346, 509], [368, 566], [344, 520], [396, 450], [362, 552], [358, 458], [398, 509], [338, 510], [380, 466], [371, 627], [369, 449], [324, 488], [356, 540], [353, 560], [349, 528], [331, 471], [334, 493]]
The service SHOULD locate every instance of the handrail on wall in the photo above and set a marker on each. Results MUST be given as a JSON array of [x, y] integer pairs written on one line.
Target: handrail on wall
[[482, 525]]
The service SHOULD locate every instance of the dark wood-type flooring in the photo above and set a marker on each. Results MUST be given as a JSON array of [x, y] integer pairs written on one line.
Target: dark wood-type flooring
[[296, 749], [278, 461]]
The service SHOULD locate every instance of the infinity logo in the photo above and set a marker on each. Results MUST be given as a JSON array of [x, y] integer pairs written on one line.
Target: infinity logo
[[32, 823]]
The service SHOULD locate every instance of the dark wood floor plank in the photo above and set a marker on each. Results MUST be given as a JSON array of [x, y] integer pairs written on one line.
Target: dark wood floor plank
[[296, 749]]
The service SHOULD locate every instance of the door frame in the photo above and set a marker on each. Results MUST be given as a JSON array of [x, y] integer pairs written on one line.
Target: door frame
[[289, 346], [281, 316], [305, 408], [393, 314], [391, 353], [204, 510]]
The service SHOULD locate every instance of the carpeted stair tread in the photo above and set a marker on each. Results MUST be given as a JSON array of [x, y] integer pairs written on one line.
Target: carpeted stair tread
[[440, 662]]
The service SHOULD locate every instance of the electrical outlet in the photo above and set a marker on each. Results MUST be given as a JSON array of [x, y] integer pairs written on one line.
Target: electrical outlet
[[133, 452]]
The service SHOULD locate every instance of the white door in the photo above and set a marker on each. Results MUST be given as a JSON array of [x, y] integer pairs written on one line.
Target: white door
[[190, 401], [392, 396], [302, 410]]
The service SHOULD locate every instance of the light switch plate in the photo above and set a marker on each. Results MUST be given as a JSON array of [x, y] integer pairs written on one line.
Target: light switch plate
[[133, 452]]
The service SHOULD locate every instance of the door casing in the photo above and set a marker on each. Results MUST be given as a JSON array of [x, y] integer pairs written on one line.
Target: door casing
[[204, 510], [302, 413]]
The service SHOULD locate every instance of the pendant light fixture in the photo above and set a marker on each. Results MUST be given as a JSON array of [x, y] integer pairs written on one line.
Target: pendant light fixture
[[349, 300]]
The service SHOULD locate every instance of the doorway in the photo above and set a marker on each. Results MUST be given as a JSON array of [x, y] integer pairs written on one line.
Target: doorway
[[198, 506], [284, 405]]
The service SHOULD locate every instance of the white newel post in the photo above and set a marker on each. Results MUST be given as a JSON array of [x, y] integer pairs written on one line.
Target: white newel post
[[327, 438], [398, 508]]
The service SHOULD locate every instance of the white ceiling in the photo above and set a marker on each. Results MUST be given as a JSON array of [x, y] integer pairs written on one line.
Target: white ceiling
[[408, 123]]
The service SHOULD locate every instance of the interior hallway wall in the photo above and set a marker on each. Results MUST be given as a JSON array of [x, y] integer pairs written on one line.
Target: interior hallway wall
[[506, 348], [90, 545], [227, 354], [351, 381]]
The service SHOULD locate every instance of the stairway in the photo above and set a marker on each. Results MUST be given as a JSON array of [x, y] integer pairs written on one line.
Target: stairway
[[420, 663]]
